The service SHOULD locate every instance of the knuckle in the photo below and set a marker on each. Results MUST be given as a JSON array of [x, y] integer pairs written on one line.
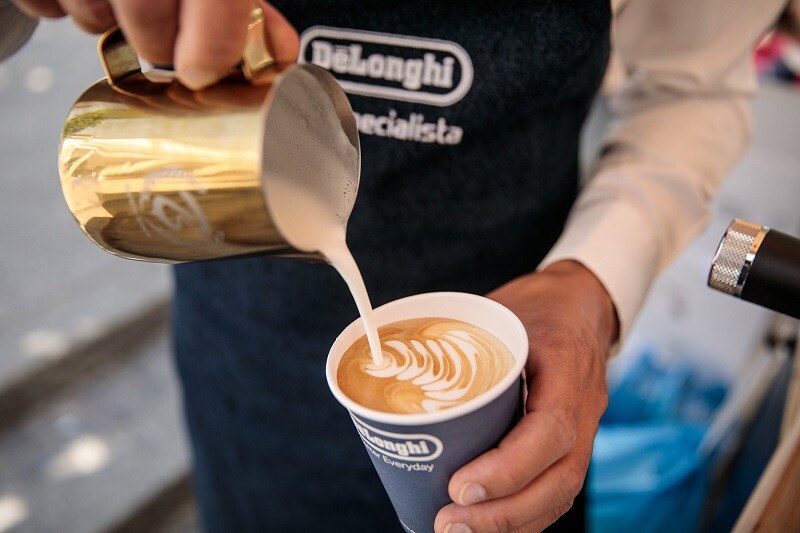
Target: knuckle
[[50, 11], [499, 523], [97, 9], [552, 515], [140, 10], [510, 479], [90, 27], [218, 54], [85, 25], [570, 482], [231, 30], [156, 26], [95, 16], [565, 429]]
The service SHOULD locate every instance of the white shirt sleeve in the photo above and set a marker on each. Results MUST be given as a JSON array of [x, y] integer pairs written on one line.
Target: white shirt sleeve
[[681, 121]]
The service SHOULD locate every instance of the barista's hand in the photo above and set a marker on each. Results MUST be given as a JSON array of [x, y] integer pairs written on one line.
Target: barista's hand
[[533, 476], [204, 39]]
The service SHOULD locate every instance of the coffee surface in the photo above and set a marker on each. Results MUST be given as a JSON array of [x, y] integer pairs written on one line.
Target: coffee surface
[[429, 364]]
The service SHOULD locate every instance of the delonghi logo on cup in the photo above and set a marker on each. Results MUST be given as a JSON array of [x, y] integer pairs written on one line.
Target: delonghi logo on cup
[[407, 447], [384, 65]]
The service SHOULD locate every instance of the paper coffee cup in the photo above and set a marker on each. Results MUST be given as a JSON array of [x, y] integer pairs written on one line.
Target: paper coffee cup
[[416, 454]]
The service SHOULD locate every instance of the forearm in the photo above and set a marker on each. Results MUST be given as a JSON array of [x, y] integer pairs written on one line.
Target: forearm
[[651, 193], [681, 122]]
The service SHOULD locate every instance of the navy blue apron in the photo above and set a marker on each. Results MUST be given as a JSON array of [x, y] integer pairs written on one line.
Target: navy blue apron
[[469, 116]]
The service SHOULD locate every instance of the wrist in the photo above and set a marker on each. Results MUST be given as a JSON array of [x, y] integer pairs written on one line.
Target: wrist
[[596, 303]]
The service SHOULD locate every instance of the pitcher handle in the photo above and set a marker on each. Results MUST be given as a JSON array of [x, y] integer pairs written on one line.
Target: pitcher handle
[[120, 61]]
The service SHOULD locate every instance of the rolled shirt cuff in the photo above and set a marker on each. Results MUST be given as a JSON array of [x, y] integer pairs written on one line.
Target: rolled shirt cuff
[[611, 240]]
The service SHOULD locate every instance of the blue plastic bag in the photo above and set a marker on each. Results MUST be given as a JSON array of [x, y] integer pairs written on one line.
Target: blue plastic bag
[[647, 475], [647, 478]]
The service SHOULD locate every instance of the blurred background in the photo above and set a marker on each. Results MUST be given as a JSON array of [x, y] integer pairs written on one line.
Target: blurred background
[[91, 437]]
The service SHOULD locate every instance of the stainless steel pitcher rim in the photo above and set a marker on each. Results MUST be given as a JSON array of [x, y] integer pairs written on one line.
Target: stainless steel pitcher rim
[[343, 110]]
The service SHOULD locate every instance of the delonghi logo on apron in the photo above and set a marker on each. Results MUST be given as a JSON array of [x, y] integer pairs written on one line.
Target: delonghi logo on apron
[[395, 67], [411, 447]]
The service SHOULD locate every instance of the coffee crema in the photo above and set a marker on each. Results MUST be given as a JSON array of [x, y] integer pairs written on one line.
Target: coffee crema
[[429, 364]]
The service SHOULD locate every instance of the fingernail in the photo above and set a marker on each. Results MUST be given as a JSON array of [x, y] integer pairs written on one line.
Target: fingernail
[[457, 528], [471, 493], [197, 79]]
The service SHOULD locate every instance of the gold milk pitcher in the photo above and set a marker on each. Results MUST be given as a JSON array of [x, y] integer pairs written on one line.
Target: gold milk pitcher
[[154, 171]]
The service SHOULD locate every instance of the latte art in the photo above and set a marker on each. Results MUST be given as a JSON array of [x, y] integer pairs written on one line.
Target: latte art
[[429, 364]]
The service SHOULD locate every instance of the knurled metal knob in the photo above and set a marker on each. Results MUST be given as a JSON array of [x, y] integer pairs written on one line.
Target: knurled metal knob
[[735, 255]]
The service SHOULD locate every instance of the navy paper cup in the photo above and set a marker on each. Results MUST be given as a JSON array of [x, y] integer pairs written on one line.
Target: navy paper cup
[[416, 454]]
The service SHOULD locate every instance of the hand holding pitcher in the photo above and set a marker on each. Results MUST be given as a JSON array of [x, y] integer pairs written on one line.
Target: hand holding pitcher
[[204, 40]]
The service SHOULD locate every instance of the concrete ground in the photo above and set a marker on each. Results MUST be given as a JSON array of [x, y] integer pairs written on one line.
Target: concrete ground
[[90, 426]]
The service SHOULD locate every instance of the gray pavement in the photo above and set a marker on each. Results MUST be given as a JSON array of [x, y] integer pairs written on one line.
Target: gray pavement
[[94, 455], [109, 437]]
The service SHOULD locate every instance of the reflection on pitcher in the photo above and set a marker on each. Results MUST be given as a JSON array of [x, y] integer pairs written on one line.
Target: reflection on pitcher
[[154, 171]]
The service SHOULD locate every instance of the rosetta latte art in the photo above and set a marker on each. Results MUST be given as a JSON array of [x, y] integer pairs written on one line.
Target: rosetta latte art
[[429, 364]]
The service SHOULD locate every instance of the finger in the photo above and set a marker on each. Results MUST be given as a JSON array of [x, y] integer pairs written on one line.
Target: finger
[[93, 16], [540, 439], [150, 27], [40, 8], [282, 39], [210, 39], [545, 434], [539, 502]]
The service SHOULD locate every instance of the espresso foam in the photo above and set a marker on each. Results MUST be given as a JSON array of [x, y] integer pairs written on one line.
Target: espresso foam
[[429, 364]]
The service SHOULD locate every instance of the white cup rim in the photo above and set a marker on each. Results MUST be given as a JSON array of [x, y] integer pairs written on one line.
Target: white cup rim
[[516, 340]]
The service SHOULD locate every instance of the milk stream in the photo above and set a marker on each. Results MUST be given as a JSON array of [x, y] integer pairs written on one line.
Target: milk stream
[[337, 252], [313, 224]]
